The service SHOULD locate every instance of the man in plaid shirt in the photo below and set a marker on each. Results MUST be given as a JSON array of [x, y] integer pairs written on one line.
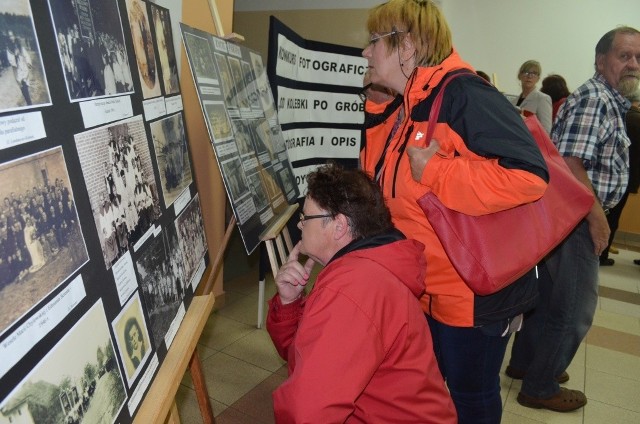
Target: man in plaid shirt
[[589, 132]]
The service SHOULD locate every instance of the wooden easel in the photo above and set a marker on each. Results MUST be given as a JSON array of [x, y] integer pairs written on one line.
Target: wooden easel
[[277, 232]]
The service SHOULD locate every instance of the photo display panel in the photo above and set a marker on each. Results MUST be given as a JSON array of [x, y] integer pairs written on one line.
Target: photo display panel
[[102, 241], [245, 133]]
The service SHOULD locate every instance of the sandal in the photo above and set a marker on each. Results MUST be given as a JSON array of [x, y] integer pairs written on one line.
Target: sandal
[[564, 401]]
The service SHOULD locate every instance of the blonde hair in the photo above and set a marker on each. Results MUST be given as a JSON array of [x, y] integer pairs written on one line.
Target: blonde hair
[[422, 19], [530, 65]]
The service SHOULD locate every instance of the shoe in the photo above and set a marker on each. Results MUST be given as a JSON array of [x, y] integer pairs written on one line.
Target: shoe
[[565, 400], [636, 261], [517, 374], [613, 250], [607, 262]]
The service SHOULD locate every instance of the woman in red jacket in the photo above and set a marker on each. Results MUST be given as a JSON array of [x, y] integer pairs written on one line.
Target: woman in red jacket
[[482, 160], [358, 347]]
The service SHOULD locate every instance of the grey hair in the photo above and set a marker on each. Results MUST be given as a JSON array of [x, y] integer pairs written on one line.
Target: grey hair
[[634, 97]]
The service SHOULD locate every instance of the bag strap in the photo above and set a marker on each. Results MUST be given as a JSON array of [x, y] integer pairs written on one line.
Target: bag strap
[[437, 103]]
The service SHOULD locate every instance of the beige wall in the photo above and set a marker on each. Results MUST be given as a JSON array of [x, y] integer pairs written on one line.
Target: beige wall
[[345, 26], [197, 14]]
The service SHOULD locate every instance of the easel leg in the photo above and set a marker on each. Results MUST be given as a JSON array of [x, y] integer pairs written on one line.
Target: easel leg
[[201, 389], [260, 302], [174, 416]]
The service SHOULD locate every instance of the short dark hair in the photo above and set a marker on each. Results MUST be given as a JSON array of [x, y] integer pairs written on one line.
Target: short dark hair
[[354, 194], [555, 86], [131, 322], [605, 43], [484, 75]]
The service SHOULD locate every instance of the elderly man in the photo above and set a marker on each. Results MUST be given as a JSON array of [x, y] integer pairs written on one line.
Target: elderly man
[[358, 345], [590, 133]]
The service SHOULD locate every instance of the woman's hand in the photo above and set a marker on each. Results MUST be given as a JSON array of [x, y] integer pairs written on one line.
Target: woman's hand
[[293, 276], [419, 156]]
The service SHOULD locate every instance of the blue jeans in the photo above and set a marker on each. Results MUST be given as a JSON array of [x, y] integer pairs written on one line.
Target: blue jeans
[[470, 361], [553, 331]]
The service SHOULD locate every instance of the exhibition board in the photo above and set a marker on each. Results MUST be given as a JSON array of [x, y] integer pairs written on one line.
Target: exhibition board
[[242, 121], [102, 241]]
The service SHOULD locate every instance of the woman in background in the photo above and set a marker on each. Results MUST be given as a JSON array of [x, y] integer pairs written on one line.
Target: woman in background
[[531, 101], [555, 87]]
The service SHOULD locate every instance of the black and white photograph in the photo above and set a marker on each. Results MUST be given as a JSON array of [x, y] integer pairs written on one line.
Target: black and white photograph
[[258, 191], [91, 48], [78, 381], [201, 58], [250, 86], [226, 81], [146, 61], [172, 156], [287, 178], [271, 183], [166, 50], [242, 137], [41, 241], [261, 136], [266, 97], [161, 273], [132, 338], [238, 83], [235, 178], [23, 82], [118, 172], [218, 121], [191, 238]]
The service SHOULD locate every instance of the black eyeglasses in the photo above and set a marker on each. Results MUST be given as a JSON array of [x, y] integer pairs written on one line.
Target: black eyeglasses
[[363, 92], [374, 38], [304, 217]]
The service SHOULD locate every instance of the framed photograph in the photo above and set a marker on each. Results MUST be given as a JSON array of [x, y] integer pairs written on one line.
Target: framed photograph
[[161, 278], [117, 168], [191, 238], [166, 51], [24, 83], [91, 48], [201, 59], [77, 381], [172, 156], [132, 338], [238, 83], [218, 121], [226, 80], [41, 241], [148, 66]]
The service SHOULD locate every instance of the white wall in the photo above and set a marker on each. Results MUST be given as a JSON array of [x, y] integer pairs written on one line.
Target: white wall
[[499, 35]]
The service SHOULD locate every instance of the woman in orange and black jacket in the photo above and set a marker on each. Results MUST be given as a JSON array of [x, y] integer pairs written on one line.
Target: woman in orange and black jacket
[[482, 159]]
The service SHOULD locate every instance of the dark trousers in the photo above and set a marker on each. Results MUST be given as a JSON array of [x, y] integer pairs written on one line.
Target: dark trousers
[[470, 360], [613, 219]]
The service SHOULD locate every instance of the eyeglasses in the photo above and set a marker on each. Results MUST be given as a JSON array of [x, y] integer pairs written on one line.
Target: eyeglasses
[[304, 217], [375, 38], [363, 92], [529, 74]]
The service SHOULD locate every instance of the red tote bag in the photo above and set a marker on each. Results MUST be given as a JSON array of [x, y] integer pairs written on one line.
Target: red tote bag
[[491, 251]]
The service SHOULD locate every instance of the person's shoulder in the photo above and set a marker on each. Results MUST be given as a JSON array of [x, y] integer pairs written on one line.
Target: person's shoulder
[[539, 95]]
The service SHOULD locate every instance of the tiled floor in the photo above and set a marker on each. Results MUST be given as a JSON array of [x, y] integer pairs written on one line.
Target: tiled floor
[[242, 368]]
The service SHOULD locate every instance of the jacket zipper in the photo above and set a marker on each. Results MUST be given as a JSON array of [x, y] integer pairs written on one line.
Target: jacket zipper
[[401, 150]]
